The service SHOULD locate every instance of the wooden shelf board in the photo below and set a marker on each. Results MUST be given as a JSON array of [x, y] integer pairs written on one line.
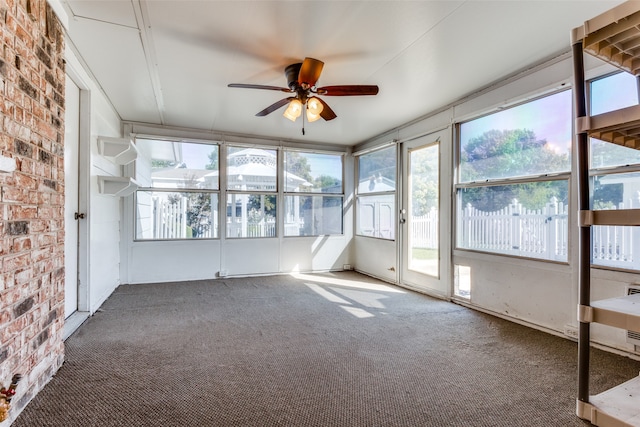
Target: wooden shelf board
[[620, 127], [622, 217], [614, 36], [622, 312]]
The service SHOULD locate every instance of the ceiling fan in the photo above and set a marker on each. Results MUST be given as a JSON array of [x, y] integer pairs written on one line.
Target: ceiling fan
[[301, 81]]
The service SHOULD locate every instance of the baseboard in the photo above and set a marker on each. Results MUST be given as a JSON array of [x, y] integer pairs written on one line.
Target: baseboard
[[73, 322]]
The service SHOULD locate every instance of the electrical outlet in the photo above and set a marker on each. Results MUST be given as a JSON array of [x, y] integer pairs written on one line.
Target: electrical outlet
[[571, 331]]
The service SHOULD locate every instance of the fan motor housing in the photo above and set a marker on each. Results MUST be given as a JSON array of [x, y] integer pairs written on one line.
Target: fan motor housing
[[291, 72]]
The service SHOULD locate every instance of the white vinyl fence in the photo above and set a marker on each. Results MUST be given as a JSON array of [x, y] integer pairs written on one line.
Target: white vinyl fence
[[170, 220], [616, 246], [543, 233], [424, 230], [516, 230], [265, 227]]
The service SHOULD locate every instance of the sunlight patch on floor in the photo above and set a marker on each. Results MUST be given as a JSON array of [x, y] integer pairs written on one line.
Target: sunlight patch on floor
[[357, 284], [358, 312], [326, 294], [358, 303]]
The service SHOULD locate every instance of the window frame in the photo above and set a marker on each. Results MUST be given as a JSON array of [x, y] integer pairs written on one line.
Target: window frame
[[232, 192], [312, 194], [393, 194], [194, 190], [608, 171], [458, 186]]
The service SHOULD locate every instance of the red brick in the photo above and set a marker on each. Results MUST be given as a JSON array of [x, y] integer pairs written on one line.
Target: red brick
[[17, 212], [34, 193], [46, 239], [21, 244], [40, 254], [17, 261], [20, 195], [39, 226], [25, 181]]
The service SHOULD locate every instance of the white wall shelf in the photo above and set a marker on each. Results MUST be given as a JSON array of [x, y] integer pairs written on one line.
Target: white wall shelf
[[118, 150], [116, 185]]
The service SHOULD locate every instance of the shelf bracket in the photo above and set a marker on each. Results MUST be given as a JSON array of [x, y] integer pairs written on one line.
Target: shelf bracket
[[583, 124], [585, 314], [585, 218]]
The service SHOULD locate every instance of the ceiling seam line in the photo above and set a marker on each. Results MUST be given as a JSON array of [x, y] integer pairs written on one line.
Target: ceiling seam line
[[419, 37], [146, 40], [105, 22]]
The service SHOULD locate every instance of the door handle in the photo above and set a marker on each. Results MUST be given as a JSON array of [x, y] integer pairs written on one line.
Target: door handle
[[79, 215], [402, 220]]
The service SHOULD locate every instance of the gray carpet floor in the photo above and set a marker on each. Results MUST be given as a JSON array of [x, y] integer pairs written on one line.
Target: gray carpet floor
[[321, 350]]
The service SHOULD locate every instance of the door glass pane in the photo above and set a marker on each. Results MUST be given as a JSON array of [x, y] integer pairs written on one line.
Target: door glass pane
[[422, 217]]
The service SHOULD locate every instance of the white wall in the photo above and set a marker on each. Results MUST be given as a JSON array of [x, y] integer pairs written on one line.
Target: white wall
[[101, 238], [166, 261], [538, 293]]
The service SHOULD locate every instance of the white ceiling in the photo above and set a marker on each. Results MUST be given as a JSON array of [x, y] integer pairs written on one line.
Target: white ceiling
[[169, 62]]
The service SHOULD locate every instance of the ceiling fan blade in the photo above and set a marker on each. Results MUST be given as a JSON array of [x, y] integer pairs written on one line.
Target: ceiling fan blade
[[326, 113], [273, 107], [310, 71], [348, 90], [250, 86]]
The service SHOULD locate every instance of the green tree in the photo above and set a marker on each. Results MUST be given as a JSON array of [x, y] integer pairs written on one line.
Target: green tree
[[379, 163], [298, 165], [424, 180], [161, 164], [325, 182], [261, 205], [500, 154], [213, 160]]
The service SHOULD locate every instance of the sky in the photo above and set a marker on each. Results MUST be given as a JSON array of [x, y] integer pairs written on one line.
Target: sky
[[549, 118]]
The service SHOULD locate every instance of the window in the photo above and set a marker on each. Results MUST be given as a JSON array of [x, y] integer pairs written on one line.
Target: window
[[506, 201], [178, 198], [313, 193], [615, 177], [376, 194], [252, 176]]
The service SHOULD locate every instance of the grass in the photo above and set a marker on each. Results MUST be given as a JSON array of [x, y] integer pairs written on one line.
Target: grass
[[422, 253]]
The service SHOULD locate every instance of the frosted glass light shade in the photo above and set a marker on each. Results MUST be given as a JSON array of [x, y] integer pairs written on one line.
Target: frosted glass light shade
[[314, 108], [294, 110]]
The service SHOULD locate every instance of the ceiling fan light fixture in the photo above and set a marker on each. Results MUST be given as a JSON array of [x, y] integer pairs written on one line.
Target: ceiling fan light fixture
[[314, 108], [294, 110]]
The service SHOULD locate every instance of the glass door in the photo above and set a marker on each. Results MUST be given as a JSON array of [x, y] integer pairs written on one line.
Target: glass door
[[425, 238]]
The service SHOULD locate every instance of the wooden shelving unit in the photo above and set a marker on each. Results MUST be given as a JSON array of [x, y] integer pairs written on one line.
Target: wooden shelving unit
[[614, 37]]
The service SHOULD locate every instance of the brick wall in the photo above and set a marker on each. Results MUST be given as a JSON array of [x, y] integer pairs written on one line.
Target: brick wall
[[32, 197]]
